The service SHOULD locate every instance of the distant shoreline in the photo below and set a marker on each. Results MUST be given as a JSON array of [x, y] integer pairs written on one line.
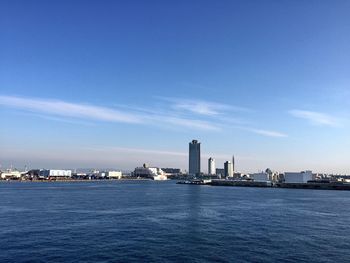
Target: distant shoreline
[[72, 181]]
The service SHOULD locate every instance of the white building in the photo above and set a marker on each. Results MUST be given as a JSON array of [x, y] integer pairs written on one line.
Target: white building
[[260, 177], [10, 174], [114, 174], [301, 177], [211, 166], [56, 173]]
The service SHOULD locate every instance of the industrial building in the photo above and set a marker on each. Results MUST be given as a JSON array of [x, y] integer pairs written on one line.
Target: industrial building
[[301, 177], [260, 177], [58, 174]]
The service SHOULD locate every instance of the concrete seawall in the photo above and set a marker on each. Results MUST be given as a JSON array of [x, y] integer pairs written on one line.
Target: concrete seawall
[[240, 183]]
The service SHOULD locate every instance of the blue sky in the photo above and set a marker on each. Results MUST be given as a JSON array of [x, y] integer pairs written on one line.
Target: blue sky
[[119, 83]]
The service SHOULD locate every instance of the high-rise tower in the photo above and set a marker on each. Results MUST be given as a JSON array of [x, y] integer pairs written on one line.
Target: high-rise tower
[[228, 169], [233, 163], [194, 162], [211, 166]]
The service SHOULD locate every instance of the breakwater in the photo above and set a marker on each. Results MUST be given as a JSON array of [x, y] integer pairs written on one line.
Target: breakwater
[[238, 183]]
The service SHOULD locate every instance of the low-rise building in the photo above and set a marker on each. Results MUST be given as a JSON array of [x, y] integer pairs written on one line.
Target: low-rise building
[[220, 171], [260, 177], [114, 174], [172, 170], [58, 174], [10, 174], [295, 177]]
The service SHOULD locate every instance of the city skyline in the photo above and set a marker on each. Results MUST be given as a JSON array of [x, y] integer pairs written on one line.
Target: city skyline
[[114, 85]]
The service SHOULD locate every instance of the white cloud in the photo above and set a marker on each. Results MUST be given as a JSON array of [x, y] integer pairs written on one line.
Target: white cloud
[[268, 133], [61, 108], [197, 107], [198, 124], [200, 107], [64, 120], [84, 111], [221, 113], [316, 118], [162, 117]]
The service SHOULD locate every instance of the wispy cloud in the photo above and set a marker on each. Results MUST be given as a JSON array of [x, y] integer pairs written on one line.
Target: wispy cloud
[[61, 119], [205, 116], [221, 116], [200, 107], [123, 150], [262, 132], [62, 108], [90, 112], [198, 124], [316, 118], [268, 133]]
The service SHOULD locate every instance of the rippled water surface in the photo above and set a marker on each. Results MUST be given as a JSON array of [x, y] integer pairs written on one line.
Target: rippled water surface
[[147, 221]]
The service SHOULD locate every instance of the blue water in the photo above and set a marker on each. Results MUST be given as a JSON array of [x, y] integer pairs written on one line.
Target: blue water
[[147, 221]]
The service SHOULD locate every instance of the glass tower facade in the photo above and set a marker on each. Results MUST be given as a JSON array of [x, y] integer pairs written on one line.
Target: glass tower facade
[[194, 166]]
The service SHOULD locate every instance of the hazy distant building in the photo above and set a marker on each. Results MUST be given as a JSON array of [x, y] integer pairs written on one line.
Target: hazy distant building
[[233, 164], [194, 166], [228, 169], [260, 177], [220, 171], [301, 177], [10, 174], [211, 166], [55, 173], [114, 174], [172, 170]]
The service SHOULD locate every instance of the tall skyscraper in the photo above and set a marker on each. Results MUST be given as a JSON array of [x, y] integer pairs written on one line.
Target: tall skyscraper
[[233, 164], [211, 166], [228, 169], [194, 158]]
